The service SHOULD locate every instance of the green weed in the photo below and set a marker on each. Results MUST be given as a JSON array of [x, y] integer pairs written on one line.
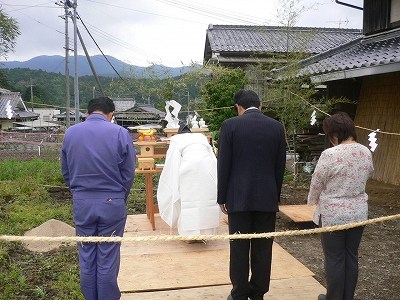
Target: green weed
[[40, 171], [31, 193]]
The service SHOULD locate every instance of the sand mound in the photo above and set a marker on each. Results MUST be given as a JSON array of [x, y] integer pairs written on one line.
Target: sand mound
[[51, 228]]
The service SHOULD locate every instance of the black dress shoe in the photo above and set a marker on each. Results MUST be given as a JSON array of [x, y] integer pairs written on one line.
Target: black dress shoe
[[321, 297], [255, 296]]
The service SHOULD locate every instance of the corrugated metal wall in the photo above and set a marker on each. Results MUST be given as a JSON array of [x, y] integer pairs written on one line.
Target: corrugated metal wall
[[379, 107]]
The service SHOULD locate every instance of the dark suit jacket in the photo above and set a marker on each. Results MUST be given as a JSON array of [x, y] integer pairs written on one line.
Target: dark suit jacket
[[251, 162]]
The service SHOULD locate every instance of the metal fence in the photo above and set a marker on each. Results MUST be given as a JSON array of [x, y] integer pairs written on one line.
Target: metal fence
[[27, 146]]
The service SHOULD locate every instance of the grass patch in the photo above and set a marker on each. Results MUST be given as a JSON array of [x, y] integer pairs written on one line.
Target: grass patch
[[37, 170], [24, 204], [28, 275], [31, 193]]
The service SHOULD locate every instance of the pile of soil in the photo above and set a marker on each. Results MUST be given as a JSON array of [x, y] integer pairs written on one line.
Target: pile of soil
[[51, 228], [379, 255]]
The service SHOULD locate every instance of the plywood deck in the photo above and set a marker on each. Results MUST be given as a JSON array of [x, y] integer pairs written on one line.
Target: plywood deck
[[178, 270], [302, 288], [298, 213]]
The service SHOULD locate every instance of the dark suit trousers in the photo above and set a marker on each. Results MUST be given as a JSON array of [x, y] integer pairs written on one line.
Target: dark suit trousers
[[254, 254], [341, 262]]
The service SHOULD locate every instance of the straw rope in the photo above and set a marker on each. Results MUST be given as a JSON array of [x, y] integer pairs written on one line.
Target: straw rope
[[360, 127], [116, 239]]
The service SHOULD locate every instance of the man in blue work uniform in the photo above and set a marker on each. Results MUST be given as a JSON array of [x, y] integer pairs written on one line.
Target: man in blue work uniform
[[98, 164]]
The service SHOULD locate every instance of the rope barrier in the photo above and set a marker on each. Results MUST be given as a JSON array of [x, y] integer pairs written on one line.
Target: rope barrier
[[117, 239], [360, 127]]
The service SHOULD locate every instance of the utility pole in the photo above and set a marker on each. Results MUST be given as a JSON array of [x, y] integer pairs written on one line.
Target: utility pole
[[31, 86], [76, 86], [90, 63], [67, 5]]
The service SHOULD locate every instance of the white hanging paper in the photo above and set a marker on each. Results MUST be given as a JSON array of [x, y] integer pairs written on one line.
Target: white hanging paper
[[372, 139], [313, 118], [172, 116], [9, 112]]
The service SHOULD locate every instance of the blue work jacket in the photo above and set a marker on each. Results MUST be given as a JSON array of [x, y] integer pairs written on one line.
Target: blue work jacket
[[98, 159]]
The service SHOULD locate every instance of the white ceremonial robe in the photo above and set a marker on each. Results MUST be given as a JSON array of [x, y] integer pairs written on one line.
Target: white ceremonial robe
[[187, 189]]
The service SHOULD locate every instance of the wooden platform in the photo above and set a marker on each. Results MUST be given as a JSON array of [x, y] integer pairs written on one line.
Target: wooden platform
[[178, 270], [298, 213]]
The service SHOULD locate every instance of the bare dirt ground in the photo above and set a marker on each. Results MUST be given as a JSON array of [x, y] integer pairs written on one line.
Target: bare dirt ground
[[379, 255]]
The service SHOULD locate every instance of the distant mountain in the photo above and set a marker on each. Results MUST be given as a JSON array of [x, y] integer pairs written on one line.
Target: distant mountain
[[56, 64]]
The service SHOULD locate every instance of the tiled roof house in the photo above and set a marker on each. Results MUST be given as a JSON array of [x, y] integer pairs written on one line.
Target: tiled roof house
[[367, 70], [369, 55], [130, 113], [13, 109], [127, 113], [239, 45], [243, 46]]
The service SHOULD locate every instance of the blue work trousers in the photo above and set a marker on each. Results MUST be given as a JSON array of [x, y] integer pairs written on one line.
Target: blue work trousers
[[99, 262]]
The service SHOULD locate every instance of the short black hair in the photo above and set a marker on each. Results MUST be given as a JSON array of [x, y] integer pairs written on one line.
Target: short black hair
[[246, 99], [184, 128], [341, 125], [103, 104]]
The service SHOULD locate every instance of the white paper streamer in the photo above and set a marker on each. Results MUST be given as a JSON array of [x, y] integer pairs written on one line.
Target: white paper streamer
[[313, 118], [9, 111], [372, 139], [172, 116]]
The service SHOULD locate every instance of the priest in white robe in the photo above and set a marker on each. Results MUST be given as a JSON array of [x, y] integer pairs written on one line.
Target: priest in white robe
[[187, 189]]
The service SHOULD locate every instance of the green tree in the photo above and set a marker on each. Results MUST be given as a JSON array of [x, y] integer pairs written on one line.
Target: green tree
[[291, 98], [4, 82], [9, 32], [218, 94], [155, 88]]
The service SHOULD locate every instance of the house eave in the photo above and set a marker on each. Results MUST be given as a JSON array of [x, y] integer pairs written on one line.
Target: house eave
[[354, 73], [245, 60]]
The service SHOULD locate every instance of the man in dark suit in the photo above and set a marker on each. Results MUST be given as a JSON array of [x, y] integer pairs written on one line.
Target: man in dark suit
[[251, 165]]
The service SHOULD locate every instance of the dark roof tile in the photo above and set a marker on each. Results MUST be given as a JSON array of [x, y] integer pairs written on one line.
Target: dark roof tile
[[228, 38], [366, 52], [17, 106]]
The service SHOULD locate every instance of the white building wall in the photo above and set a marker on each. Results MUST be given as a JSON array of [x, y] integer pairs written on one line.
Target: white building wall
[[46, 114]]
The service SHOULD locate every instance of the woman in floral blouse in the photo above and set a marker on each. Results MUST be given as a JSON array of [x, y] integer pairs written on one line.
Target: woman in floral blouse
[[338, 190]]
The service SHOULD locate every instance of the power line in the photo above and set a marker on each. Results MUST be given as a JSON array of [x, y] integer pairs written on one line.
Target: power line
[[194, 8], [224, 15], [98, 47], [116, 41], [214, 12], [100, 33], [144, 12], [38, 21], [28, 6]]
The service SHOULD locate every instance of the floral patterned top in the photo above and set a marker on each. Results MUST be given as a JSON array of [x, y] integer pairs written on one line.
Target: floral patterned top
[[338, 185]]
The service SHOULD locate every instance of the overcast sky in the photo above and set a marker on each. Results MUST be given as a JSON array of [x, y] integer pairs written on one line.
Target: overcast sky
[[169, 32]]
